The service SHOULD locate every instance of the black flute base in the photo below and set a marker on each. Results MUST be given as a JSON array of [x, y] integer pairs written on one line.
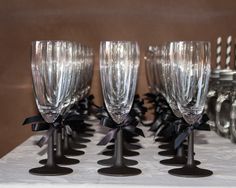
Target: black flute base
[[177, 161], [85, 135], [170, 146], [81, 140], [190, 171], [165, 146], [167, 153], [119, 171], [77, 145], [88, 129], [50, 171], [63, 160], [165, 140], [132, 140], [111, 161], [126, 153], [127, 146], [72, 152]]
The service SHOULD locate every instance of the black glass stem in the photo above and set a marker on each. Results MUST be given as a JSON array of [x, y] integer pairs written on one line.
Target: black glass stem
[[126, 153], [50, 168], [111, 161], [67, 149], [60, 158], [77, 139], [119, 168], [179, 159], [190, 169], [127, 146], [76, 145]]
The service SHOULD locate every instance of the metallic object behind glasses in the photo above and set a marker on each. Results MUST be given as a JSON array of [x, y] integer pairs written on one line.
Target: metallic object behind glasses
[[223, 103]]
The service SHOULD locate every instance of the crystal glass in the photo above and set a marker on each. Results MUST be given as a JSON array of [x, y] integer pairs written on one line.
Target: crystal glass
[[192, 72], [50, 70], [119, 63], [60, 157]]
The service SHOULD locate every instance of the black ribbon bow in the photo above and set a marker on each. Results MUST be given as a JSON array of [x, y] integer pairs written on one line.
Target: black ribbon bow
[[130, 125], [38, 124], [200, 125]]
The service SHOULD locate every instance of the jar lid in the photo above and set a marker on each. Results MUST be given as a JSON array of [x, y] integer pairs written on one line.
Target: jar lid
[[215, 73], [227, 75]]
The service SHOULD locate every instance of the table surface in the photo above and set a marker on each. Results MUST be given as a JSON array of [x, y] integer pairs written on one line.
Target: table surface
[[215, 153]]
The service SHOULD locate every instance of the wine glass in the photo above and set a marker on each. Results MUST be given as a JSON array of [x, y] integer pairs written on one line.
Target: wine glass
[[168, 68], [191, 72], [50, 72], [119, 62], [60, 157], [76, 139]]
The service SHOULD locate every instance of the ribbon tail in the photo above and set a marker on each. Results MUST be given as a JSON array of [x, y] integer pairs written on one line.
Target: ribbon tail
[[44, 139], [168, 131], [68, 130], [109, 136], [33, 119], [156, 125], [161, 127], [139, 132], [204, 127], [180, 139], [39, 126]]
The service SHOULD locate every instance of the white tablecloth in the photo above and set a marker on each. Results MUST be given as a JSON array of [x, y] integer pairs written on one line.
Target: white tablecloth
[[215, 153]]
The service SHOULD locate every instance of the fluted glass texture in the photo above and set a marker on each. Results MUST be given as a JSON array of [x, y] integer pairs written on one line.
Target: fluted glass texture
[[167, 79], [119, 63], [51, 72]]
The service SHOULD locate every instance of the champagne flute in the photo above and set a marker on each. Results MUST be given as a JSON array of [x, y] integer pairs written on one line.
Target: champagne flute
[[119, 62], [50, 70], [191, 72]]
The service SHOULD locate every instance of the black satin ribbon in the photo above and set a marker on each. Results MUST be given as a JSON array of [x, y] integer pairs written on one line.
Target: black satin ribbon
[[163, 114], [44, 139], [200, 125], [51, 128], [33, 119], [38, 124], [173, 128], [156, 125], [150, 95], [128, 125]]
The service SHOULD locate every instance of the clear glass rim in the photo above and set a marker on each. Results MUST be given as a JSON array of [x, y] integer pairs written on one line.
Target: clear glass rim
[[190, 41], [53, 41], [118, 41]]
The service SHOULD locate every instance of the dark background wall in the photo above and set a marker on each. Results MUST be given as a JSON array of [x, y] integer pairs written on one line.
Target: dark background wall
[[148, 22]]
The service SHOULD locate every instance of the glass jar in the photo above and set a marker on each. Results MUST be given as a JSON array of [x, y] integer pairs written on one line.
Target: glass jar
[[223, 103], [233, 111], [214, 86]]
